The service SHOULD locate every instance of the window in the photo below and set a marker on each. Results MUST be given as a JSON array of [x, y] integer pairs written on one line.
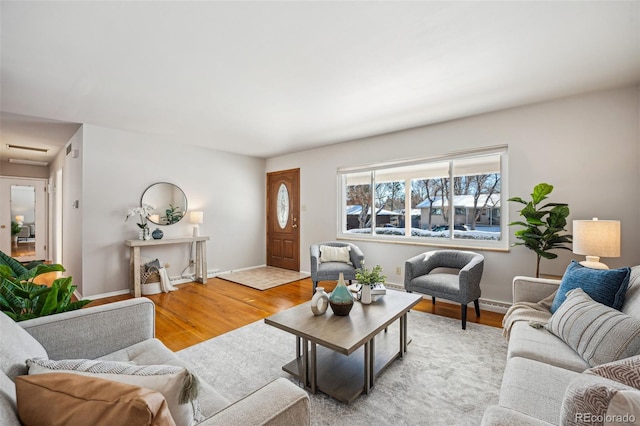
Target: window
[[411, 201]]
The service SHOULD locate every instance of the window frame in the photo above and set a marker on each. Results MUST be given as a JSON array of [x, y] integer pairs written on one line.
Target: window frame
[[450, 241]]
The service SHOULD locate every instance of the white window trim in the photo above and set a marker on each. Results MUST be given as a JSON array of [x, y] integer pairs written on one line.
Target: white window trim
[[502, 245]]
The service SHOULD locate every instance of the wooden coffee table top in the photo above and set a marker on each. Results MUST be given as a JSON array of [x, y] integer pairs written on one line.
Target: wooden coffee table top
[[345, 334]]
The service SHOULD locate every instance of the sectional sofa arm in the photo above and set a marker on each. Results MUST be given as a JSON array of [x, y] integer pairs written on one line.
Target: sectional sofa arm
[[278, 403], [94, 331], [500, 416], [528, 289]]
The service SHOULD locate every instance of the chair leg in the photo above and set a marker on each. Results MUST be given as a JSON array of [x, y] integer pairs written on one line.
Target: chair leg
[[476, 303], [463, 311], [315, 284], [433, 300]]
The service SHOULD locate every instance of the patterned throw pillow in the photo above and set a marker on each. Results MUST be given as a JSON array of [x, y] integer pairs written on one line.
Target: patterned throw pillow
[[598, 333], [596, 401], [606, 286], [176, 384], [625, 371]]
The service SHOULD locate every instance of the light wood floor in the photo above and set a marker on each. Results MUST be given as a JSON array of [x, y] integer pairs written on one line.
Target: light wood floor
[[198, 312]]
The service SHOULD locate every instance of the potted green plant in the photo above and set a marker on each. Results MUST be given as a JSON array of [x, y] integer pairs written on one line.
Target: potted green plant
[[172, 214], [15, 229], [543, 226], [22, 299], [368, 278]]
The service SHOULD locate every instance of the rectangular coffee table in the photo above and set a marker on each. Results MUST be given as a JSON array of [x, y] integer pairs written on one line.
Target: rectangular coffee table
[[353, 350]]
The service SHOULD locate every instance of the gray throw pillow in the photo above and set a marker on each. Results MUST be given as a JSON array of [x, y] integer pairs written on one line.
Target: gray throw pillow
[[598, 333]]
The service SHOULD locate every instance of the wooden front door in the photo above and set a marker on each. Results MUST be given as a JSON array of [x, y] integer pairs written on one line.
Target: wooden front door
[[283, 212]]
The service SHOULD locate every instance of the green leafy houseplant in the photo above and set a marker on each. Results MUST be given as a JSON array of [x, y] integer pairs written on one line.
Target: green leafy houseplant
[[543, 225], [371, 277], [15, 228], [172, 214], [21, 299]]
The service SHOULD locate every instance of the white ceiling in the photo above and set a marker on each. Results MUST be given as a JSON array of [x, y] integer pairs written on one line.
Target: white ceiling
[[267, 78]]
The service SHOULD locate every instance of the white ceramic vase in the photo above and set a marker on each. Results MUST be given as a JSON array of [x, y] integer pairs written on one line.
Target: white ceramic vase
[[365, 296], [319, 301]]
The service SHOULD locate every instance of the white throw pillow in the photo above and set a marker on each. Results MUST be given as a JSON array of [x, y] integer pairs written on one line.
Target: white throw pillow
[[335, 254], [176, 384]]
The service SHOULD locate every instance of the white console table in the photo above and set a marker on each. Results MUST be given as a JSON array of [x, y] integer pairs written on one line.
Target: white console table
[[135, 245]]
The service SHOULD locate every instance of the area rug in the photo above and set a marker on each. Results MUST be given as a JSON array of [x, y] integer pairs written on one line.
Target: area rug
[[264, 277], [449, 376]]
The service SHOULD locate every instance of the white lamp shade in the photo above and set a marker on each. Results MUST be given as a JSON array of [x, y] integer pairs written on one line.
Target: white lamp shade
[[196, 217], [596, 237], [19, 218], [155, 218]]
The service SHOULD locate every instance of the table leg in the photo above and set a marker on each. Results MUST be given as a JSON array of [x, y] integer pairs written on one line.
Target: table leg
[[203, 254], [367, 368], [135, 266], [198, 262], [312, 364], [372, 362], [403, 342], [305, 363]]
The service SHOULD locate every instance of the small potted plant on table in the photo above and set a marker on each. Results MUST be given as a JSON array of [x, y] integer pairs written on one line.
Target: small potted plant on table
[[368, 279]]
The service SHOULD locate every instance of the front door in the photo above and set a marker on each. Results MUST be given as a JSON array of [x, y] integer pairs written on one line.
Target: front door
[[283, 225]]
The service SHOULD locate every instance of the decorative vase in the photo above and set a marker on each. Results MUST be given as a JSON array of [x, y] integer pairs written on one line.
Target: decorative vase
[[341, 300], [144, 234], [157, 234], [365, 297], [319, 301]]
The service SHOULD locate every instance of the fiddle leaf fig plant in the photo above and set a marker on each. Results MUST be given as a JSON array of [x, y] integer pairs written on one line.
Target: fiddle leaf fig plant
[[22, 299], [543, 226]]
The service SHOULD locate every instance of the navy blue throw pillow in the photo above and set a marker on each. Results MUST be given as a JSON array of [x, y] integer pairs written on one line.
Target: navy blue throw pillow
[[606, 286]]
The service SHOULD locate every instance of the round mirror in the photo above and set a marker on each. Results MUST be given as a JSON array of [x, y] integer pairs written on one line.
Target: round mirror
[[168, 201]]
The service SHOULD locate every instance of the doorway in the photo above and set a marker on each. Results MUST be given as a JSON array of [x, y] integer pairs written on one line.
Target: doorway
[[23, 212], [283, 225]]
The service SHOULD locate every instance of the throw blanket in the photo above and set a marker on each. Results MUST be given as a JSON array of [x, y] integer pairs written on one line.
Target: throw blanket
[[534, 313], [165, 281]]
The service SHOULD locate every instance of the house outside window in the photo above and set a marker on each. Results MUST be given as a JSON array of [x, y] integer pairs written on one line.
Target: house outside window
[[411, 201]]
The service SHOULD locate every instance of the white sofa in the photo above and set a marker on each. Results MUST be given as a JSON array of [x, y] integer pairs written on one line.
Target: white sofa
[[124, 331], [540, 366]]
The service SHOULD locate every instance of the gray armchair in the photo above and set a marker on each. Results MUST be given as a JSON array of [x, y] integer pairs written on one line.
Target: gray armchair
[[329, 271], [463, 287]]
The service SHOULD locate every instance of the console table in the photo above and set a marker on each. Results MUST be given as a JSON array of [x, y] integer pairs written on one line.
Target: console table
[[135, 245]]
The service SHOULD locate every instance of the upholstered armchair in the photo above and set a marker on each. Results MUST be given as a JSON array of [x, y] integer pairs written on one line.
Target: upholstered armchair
[[463, 287], [330, 270]]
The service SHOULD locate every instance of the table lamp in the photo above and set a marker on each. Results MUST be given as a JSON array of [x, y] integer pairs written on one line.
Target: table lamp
[[596, 238], [196, 218], [20, 219]]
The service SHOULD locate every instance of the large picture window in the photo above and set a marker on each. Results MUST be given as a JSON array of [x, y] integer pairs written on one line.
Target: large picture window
[[451, 199]]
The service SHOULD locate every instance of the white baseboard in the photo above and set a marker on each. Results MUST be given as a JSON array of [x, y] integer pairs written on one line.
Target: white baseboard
[[102, 295], [485, 304], [238, 270]]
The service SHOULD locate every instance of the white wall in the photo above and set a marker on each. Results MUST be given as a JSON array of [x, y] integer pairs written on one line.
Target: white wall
[[72, 218], [118, 166], [587, 146]]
